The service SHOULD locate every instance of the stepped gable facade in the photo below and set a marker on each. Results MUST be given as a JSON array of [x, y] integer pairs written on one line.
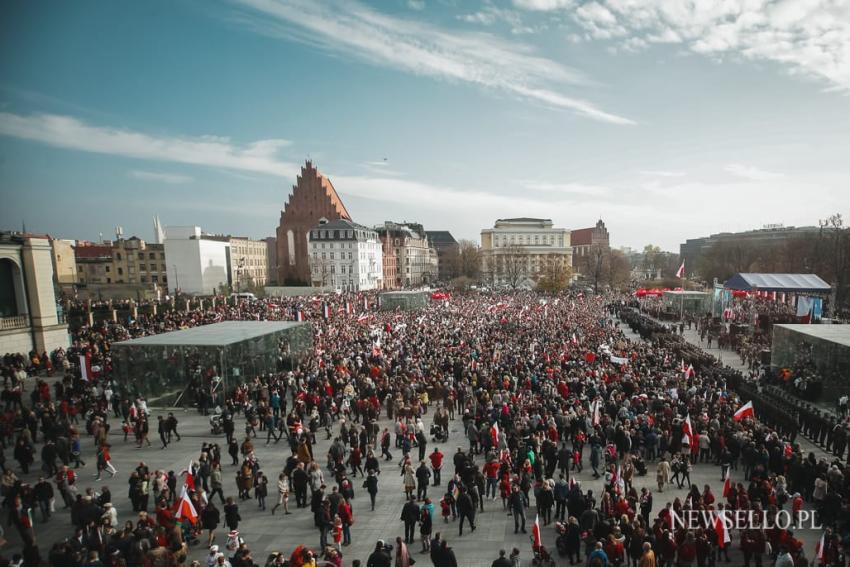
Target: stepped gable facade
[[313, 197]]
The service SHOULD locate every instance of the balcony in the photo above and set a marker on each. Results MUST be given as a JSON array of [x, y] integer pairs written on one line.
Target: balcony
[[16, 322]]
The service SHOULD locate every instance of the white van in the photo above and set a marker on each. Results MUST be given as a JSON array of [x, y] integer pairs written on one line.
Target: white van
[[244, 295]]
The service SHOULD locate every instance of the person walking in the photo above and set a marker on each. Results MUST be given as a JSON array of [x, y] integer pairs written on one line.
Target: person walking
[[662, 473], [231, 514], [410, 515], [371, 486], [465, 509], [409, 479], [426, 525], [216, 483], [516, 504], [282, 494], [423, 476], [210, 518]]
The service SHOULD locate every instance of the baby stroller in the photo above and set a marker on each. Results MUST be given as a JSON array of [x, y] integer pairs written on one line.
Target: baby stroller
[[439, 433], [542, 558], [640, 465], [216, 426]]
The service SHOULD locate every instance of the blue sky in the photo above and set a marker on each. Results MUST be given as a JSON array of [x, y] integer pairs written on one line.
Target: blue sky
[[669, 120]]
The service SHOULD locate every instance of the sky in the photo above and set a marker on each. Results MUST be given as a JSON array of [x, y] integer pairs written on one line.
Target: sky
[[667, 119]]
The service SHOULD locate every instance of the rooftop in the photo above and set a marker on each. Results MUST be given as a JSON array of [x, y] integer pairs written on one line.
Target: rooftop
[[217, 334], [839, 334]]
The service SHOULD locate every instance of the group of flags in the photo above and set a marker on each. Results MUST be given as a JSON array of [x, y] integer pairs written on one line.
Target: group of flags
[[327, 311]]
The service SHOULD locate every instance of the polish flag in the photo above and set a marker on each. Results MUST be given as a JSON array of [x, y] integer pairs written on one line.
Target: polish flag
[[185, 509], [348, 308], [494, 433], [682, 367], [727, 484], [819, 547], [689, 371], [687, 430], [574, 340], [681, 271], [326, 311], [535, 534], [85, 367], [745, 410], [299, 315], [722, 533], [595, 417], [363, 318], [366, 303]]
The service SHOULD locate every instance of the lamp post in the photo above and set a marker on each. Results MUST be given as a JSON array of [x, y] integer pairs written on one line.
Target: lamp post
[[176, 278]]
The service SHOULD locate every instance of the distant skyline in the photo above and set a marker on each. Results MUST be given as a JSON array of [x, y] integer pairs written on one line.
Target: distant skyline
[[668, 121]]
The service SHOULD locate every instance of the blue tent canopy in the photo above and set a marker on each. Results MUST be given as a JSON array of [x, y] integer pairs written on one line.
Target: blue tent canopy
[[789, 283]]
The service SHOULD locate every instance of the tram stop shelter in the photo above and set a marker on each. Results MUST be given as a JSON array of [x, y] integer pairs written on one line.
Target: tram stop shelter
[[821, 351], [172, 368]]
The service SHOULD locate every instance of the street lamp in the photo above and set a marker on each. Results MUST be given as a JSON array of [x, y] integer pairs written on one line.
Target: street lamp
[[176, 278]]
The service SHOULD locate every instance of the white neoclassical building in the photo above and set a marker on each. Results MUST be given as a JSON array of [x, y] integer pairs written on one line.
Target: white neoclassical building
[[345, 256], [29, 316], [524, 246]]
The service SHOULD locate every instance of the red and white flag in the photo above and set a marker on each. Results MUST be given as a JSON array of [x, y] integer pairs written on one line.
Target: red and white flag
[[819, 547], [687, 431], [366, 303], [680, 273], [721, 531], [727, 484], [299, 315], [745, 410], [348, 308], [535, 533], [689, 371], [85, 367], [494, 433], [326, 311], [573, 339], [186, 510], [594, 414]]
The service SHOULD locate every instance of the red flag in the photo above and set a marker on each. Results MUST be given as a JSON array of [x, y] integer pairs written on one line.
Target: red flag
[[681, 271], [494, 433], [535, 534], [745, 410], [722, 533], [186, 510], [727, 484], [687, 430], [819, 547]]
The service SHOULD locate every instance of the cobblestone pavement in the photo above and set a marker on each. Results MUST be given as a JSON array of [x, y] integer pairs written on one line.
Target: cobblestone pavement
[[265, 533]]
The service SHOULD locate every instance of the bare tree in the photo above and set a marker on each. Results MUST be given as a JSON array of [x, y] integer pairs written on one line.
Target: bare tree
[[468, 260], [511, 265], [554, 276], [320, 269]]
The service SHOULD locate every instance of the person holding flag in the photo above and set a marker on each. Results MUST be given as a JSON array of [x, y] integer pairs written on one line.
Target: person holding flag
[[745, 410]]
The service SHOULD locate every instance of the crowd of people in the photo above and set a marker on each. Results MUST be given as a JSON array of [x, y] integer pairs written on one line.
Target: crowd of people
[[540, 387]]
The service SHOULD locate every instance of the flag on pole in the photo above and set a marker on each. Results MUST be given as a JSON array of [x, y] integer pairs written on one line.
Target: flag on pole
[[820, 546], [595, 417], [366, 303], [494, 433], [299, 315], [186, 510], [689, 371], [727, 483], [535, 533], [721, 531], [573, 339], [680, 273], [326, 310], [688, 431], [85, 367], [348, 308], [745, 410]]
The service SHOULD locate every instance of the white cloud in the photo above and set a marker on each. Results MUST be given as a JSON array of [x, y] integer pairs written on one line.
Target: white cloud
[[351, 29], [416, 4], [212, 151], [810, 37], [661, 173], [567, 188], [751, 172], [543, 5], [161, 177], [490, 15]]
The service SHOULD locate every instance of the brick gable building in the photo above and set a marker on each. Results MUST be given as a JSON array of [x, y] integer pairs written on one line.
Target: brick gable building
[[313, 197]]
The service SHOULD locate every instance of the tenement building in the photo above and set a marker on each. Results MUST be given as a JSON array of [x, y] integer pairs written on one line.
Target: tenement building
[[415, 259], [447, 251], [345, 256], [313, 197], [515, 251], [248, 262]]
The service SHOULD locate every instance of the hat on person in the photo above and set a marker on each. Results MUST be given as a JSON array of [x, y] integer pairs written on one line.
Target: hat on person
[[214, 548]]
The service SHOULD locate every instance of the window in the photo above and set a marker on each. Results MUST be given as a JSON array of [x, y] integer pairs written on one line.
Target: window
[[108, 280], [143, 268], [163, 268], [141, 255], [154, 278], [162, 255], [118, 256], [152, 256], [120, 271], [107, 269], [332, 255], [290, 246], [143, 279], [153, 268]]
